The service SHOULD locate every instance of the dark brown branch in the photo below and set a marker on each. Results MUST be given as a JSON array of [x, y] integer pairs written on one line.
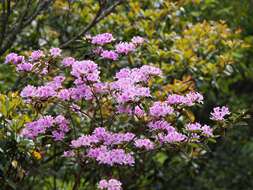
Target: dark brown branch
[[24, 20], [100, 15]]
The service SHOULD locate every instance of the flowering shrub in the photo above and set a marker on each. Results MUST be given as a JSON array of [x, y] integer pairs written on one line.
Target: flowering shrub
[[106, 122]]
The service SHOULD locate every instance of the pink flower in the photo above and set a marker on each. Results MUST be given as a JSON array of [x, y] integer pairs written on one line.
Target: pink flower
[[207, 131], [124, 48], [109, 55], [68, 61], [36, 55], [40, 126], [68, 153], [219, 113], [64, 94], [193, 127], [144, 143], [138, 111], [102, 39], [188, 100], [160, 109], [25, 67], [55, 52], [103, 184], [14, 58], [111, 184], [86, 70], [111, 157], [172, 137], [137, 40]]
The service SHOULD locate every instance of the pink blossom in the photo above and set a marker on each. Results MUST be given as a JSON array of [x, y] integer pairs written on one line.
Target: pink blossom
[[188, 100], [68, 153], [137, 40], [68, 61], [171, 137], [14, 58], [144, 143], [160, 109], [25, 67], [111, 184], [109, 55], [124, 48], [40, 126], [219, 113], [55, 52], [193, 127], [102, 39], [138, 111], [64, 94], [111, 156], [36, 55], [207, 131], [87, 70]]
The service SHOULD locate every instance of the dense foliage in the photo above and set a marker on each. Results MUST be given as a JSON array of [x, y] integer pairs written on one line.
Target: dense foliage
[[126, 101]]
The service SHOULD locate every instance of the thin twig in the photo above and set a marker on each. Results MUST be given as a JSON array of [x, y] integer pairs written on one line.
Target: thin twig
[[100, 15]]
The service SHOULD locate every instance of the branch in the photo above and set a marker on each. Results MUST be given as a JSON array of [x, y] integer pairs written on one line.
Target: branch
[[23, 22], [100, 15]]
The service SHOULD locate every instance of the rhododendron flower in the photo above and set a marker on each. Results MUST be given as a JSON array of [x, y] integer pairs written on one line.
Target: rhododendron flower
[[171, 137], [36, 55], [86, 70], [111, 184], [64, 94], [14, 58], [124, 48], [68, 153], [35, 128], [109, 55], [68, 61], [188, 100], [197, 127], [137, 40], [219, 113], [207, 131], [193, 127], [144, 143], [159, 109], [25, 67], [102, 39], [161, 125], [55, 52], [138, 111], [111, 156]]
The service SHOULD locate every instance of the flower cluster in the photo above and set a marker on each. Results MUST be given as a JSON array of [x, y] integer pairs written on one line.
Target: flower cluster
[[111, 184], [166, 133], [121, 48], [102, 39], [124, 115], [189, 99], [58, 127], [111, 156], [14, 58], [219, 113], [144, 143], [128, 88], [101, 135], [196, 127], [160, 109], [43, 92], [34, 62]]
